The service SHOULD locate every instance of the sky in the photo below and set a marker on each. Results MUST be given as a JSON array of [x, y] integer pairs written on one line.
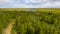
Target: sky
[[29, 3]]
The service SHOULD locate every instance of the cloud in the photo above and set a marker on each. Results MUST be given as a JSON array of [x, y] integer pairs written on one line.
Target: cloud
[[53, 0], [51, 5], [29, 3]]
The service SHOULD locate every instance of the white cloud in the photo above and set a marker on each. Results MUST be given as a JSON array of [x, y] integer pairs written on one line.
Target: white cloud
[[30, 3], [51, 5]]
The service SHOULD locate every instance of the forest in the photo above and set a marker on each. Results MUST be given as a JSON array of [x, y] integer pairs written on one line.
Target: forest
[[31, 22]]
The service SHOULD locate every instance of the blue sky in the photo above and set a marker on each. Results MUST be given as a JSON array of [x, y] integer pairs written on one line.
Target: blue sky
[[29, 3]]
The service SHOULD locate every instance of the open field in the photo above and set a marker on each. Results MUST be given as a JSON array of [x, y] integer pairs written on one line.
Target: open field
[[57, 10], [29, 21]]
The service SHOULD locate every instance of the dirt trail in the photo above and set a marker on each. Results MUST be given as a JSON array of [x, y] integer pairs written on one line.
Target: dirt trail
[[9, 27]]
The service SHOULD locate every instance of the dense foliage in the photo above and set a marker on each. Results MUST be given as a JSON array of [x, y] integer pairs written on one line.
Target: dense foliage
[[30, 22]]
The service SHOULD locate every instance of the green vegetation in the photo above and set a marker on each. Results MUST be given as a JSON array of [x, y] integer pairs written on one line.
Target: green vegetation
[[31, 22]]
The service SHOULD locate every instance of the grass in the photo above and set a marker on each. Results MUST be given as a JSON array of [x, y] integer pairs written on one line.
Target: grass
[[39, 21]]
